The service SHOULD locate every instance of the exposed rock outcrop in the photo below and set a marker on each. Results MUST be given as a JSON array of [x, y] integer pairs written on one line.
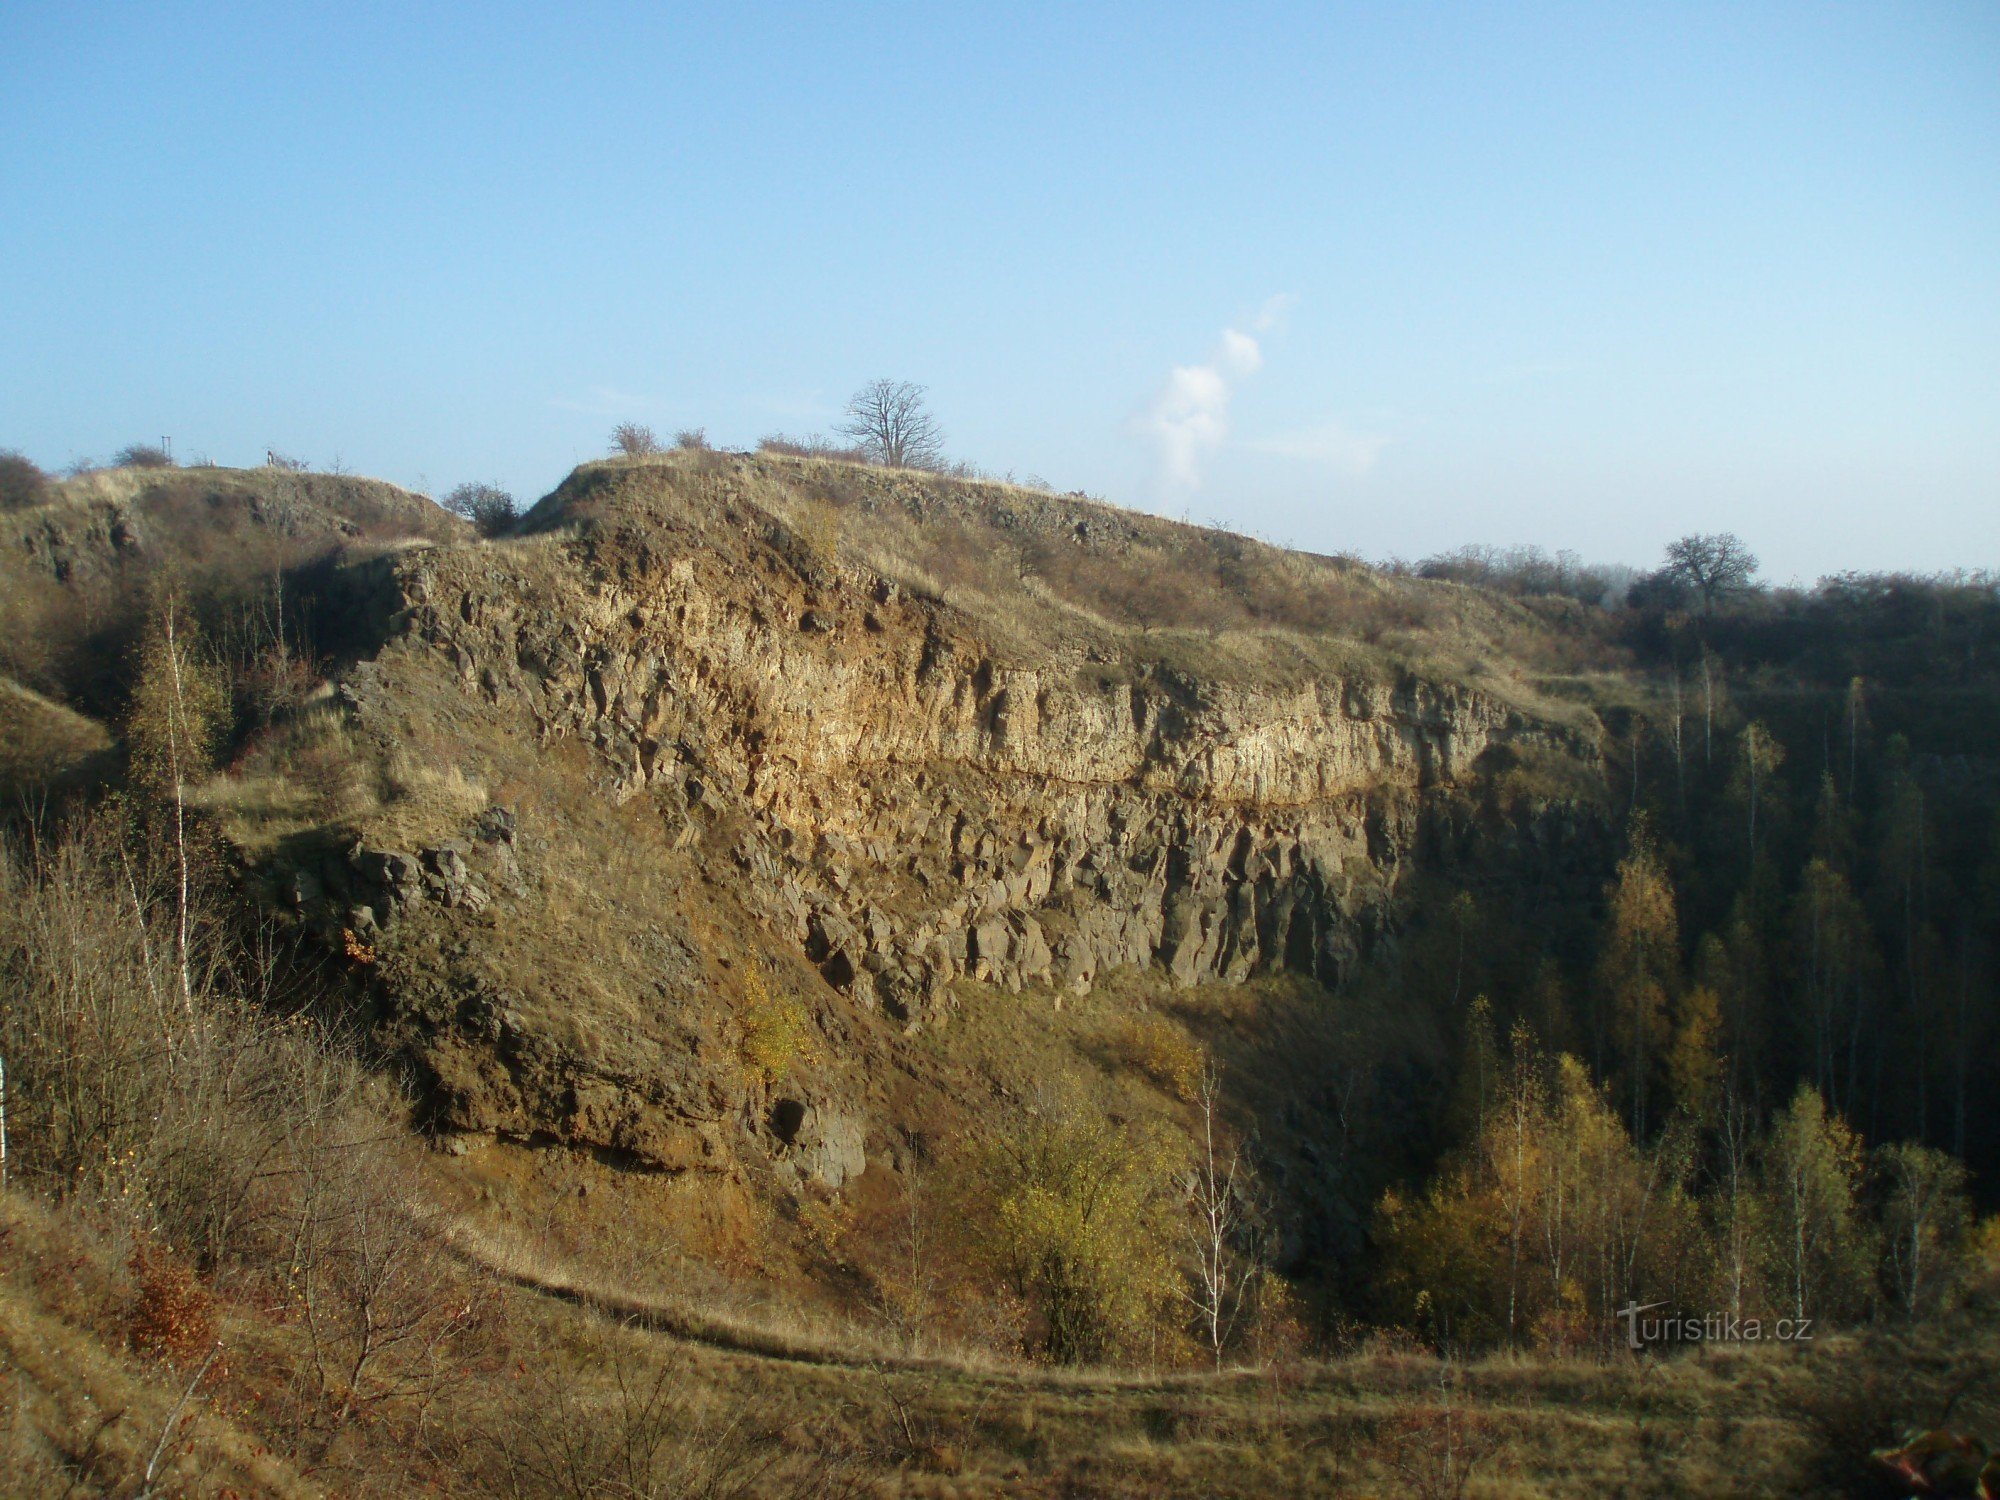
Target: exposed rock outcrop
[[900, 800]]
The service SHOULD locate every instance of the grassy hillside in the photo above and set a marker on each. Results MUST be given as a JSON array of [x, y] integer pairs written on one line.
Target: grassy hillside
[[755, 984], [1039, 570]]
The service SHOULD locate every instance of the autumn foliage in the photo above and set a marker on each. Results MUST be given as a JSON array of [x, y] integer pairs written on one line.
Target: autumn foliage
[[173, 1315]]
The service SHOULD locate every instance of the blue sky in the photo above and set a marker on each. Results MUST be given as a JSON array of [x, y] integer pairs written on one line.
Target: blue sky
[[1379, 278]]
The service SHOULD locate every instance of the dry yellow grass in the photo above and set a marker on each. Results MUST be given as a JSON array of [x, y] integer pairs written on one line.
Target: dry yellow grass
[[43, 742], [1039, 572], [79, 1416]]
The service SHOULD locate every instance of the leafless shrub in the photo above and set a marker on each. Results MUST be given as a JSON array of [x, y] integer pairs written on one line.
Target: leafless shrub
[[692, 440], [1435, 1446], [1526, 570], [227, 1139], [261, 1101], [264, 641], [89, 1029], [384, 1308], [645, 1438], [144, 456], [184, 1110], [633, 440], [810, 446]]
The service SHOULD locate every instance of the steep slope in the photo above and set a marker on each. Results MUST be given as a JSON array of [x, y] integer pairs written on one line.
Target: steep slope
[[44, 744], [688, 807]]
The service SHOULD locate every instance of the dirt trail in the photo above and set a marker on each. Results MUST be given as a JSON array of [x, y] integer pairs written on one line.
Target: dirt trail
[[690, 1326]]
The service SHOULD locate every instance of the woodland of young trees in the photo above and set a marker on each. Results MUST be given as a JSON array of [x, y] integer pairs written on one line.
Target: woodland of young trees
[[1751, 1077]]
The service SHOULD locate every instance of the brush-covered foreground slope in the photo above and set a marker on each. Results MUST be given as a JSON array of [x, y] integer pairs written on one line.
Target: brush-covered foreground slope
[[661, 829], [562, 1401]]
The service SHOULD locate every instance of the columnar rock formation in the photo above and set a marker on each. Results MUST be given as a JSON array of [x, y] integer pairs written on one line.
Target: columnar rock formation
[[899, 798]]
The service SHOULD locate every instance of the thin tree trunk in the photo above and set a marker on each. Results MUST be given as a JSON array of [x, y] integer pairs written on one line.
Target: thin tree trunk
[[1798, 1247], [173, 1421], [1708, 717], [1853, 736], [175, 721], [1754, 750], [1961, 1046], [1680, 755]]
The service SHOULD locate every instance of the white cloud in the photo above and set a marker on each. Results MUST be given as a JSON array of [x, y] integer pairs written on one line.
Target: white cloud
[[1189, 418], [1332, 445], [1271, 316], [1239, 354]]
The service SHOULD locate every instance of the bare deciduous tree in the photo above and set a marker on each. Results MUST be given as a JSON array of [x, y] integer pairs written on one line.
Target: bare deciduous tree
[[1735, 1201], [383, 1308], [907, 1285], [179, 718], [893, 426], [1680, 755], [1714, 566], [1221, 1276]]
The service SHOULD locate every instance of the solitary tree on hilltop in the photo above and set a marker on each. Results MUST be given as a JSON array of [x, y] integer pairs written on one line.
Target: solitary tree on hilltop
[[890, 422], [1714, 566]]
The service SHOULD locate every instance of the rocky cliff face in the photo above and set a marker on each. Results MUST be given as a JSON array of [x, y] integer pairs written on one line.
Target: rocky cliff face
[[892, 798]]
